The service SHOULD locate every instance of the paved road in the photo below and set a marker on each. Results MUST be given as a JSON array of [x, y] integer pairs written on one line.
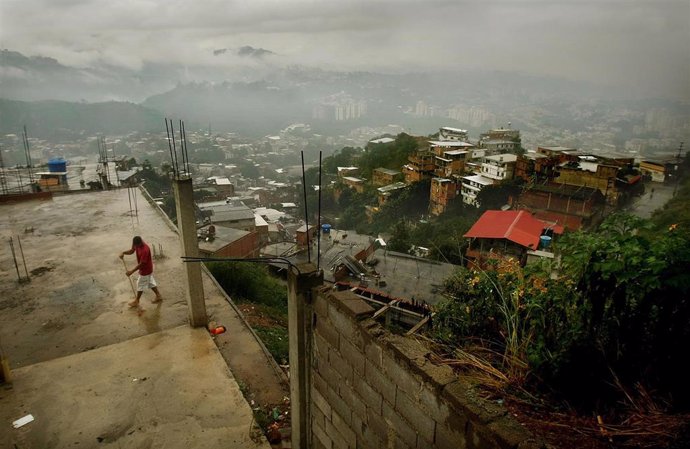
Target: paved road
[[655, 196]]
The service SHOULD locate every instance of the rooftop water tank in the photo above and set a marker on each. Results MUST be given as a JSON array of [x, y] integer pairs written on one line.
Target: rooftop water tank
[[544, 241], [326, 228], [57, 165]]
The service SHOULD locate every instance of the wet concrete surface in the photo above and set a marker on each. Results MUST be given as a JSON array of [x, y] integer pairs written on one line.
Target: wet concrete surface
[[76, 300], [169, 389], [654, 197]]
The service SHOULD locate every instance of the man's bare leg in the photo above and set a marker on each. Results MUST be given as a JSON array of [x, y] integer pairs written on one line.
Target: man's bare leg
[[159, 298], [135, 303]]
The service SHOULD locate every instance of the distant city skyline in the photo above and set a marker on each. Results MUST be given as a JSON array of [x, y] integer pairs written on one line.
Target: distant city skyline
[[637, 44]]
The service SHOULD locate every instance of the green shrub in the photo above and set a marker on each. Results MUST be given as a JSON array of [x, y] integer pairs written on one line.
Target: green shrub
[[250, 281], [615, 310]]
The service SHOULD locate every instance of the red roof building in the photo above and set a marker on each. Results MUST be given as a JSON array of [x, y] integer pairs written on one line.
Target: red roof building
[[508, 233]]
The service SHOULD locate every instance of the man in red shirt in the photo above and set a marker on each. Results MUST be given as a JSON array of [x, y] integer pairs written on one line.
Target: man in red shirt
[[145, 267]]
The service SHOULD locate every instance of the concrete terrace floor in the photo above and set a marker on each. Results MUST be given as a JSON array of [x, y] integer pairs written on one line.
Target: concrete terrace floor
[[75, 347]]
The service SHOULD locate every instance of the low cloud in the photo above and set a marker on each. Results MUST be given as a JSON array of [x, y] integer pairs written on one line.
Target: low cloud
[[638, 44]]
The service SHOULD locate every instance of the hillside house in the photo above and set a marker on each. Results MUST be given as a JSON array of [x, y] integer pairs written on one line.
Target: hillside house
[[499, 134], [471, 186], [656, 171], [356, 184], [588, 171], [385, 176], [347, 171], [448, 133], [500, 146], [228, 213], [421, 165], [533, 166], [385, 192], [512, 233], [227, 242], [304, 235], [572, 207], [443, 192], [499, 167]]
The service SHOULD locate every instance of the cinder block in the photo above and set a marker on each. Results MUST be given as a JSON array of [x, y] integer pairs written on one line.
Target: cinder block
[[339, 441], [479, 437], [353, 356], [431, 402], [374, 353], [423, 443], [339, 406], [320, 402], [328, 374], [319, 383], [376, 427], [380, 383], [371, 397], [321, 307], [398, 371], [356, 308], [321, 436], [437, 376], [352, 399], [321, 347], [344, 429], [418, 418], [346, 326], [317, 417], [406, 348], [317, 444], [461, 398], [341, 366], [328, 332], [400, 426], [450, 438]]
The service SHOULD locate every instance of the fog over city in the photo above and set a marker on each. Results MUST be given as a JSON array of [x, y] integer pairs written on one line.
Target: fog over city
[[639, 45]]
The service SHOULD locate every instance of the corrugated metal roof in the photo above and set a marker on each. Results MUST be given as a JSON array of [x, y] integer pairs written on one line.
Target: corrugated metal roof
[[518, 226]]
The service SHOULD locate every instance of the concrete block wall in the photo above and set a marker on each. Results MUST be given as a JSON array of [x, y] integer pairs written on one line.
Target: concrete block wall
[[373, 389]]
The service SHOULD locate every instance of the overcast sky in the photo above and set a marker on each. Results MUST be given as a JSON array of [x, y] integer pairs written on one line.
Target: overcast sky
[[640, 44]]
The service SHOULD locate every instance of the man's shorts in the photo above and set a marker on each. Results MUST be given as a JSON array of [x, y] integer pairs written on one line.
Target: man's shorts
[[145, 282]]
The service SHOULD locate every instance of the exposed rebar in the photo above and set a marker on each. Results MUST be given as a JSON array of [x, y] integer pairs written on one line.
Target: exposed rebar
[[21, 251], [306, 213], [318, 225]]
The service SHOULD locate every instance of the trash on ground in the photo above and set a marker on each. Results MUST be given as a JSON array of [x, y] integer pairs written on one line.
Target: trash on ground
[[22, 421]]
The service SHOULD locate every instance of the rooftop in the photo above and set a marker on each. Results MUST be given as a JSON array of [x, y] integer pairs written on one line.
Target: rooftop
[[479, 179], [224, 236], [455, 130], [75, 347], [387, 171], [382, 140], [518, 226], [392, 187], [506, 157], [450, 143]]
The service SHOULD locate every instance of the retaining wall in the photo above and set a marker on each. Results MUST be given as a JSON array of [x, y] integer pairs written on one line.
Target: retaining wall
[[373, 389]]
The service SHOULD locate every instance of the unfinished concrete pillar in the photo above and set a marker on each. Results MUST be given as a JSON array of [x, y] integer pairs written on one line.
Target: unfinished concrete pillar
[[302, 279], [186, 227]]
